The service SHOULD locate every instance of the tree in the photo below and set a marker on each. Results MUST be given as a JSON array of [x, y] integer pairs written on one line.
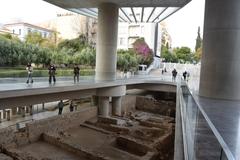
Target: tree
[[127, 60], [34, 38], [167, 55], [10, 37], [76, 44], [198, 40], [198, 55], [183, 54], [142, 49]]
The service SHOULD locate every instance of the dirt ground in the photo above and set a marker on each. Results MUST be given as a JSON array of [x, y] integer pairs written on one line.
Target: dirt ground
[[43, 150]]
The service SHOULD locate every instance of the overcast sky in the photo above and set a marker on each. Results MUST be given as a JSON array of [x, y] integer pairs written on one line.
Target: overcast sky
[[182, 26]]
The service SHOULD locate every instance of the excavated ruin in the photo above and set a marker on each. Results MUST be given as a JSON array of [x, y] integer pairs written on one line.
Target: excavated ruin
[[144, 132]]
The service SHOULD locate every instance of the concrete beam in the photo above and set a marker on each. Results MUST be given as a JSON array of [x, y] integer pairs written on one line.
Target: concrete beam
[[37, 99]]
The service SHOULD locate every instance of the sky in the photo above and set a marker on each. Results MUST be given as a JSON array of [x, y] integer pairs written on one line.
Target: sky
[[182, 26]]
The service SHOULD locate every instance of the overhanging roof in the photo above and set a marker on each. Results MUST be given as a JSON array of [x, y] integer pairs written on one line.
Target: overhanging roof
[[153, 11]]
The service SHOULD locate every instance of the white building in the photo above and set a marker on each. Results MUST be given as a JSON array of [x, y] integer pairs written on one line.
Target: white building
[[129, 33], [4, 30], [22, 29]]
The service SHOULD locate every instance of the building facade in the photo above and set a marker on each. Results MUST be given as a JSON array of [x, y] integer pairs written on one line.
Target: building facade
[[23, 29], [70, 25]]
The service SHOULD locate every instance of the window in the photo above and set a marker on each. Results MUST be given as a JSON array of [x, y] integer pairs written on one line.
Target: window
[[19, 31]]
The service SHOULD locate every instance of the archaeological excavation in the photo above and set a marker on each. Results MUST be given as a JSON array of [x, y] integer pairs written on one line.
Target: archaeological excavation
[[144, 131]]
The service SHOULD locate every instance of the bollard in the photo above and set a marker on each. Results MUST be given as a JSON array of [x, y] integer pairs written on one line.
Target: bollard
[[0, 117]]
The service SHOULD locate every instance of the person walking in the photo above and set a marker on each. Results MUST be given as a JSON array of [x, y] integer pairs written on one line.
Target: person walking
[[71, 106], [29, 69], [52, 73], [60, 107], [174, 74], [76, 71], [184, 75]]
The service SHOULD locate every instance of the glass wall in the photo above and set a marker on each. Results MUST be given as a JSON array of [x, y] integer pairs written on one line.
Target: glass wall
[[199, 141]]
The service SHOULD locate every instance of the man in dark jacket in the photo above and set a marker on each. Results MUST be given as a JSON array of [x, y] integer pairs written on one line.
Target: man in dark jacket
[[52, 73], [76, 71], [184, 75], [174, 74], [29, 69], [60, 107]]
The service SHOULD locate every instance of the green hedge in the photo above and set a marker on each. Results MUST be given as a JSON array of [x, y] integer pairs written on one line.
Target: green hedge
[[43, 73]]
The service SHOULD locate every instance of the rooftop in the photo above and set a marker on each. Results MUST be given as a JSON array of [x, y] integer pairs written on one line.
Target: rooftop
[[130, 11], [27, 24]]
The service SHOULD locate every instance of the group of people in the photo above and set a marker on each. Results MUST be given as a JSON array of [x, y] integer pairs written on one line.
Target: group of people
[[61, 105], [52, 73], [185, 75]]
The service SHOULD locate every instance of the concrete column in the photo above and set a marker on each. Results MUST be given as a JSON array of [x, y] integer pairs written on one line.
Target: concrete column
[[106, 57], [103, 106], [220, 76], [4, 113], [116, 106]]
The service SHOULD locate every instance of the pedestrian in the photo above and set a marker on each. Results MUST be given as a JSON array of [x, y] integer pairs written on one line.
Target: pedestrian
[[184, 75], [52, 73], [60, 107], [76, 71], [29, 69], [71, 106], [174, 74]]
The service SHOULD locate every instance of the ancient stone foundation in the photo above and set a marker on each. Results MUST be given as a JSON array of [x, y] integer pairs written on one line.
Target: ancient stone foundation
[[82, 135]]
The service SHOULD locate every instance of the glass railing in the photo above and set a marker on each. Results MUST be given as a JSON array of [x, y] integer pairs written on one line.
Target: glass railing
[[199, 141]]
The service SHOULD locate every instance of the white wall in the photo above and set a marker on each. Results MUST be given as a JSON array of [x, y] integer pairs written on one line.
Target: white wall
[[130, 32]]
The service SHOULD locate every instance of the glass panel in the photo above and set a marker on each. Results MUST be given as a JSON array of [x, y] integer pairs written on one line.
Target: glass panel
[[167, 12], [156, 13], [147, 12], [128, 12], [200, 142]]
